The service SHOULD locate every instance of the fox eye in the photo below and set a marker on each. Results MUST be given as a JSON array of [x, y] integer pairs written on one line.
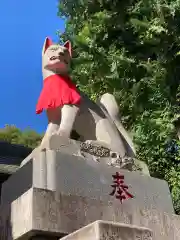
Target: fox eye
[[54, 49], [62, 53]]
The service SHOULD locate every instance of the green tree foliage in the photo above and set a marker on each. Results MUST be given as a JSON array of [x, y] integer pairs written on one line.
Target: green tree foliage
[[132, 49], [14, 135]]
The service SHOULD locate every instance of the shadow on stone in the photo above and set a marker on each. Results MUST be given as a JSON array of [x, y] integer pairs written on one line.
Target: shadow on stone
[[5, 223]]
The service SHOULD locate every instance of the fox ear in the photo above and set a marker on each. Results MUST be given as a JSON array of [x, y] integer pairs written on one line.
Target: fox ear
[[67, 45], [47, 42]]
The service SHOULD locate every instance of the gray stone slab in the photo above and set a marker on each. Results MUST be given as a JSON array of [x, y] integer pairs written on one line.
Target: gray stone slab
[[43, 238], [49, 213], [104, 230], [74, 175], [84, 149]]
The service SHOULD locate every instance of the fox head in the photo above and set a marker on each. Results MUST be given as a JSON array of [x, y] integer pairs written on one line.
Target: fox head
[[56, 58]]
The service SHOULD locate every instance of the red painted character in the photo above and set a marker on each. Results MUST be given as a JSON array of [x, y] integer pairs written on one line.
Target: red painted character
[[120, 189]]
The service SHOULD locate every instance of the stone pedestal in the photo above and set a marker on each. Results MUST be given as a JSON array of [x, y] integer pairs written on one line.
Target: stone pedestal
[[74, 175], [55, 194], [46, 213], [103, 230]]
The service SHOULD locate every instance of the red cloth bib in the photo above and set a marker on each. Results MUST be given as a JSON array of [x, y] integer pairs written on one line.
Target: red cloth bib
[[57, 91]]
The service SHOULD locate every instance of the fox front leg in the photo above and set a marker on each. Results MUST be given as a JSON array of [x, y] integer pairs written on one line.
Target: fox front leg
[[68, 116], [54, 117]]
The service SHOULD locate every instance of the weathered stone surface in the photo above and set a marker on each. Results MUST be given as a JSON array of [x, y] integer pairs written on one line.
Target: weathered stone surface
[[104, 230], [93, 150], [53, 214], [77, 176], [16, 219]]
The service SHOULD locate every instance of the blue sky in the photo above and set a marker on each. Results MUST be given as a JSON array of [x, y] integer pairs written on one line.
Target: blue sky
[[23, 26]]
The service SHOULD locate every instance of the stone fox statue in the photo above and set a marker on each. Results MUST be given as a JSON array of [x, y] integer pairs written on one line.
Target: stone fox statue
[[68, 109]]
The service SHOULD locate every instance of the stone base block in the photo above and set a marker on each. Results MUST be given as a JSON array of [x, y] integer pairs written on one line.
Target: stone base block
[[46, 213], [77, 148], [103, 230], [53, 170]]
